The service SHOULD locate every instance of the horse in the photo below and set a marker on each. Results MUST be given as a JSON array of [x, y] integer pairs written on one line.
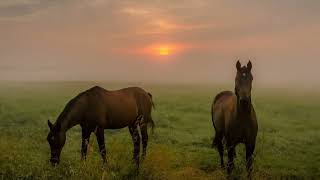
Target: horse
[[97, 109], [234, 119]]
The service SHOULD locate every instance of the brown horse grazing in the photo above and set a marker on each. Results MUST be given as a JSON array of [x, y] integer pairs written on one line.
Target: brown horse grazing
[[97, 109], [234, 118]]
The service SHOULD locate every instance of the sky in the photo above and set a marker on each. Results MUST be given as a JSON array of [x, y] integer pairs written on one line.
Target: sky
[[160, 41]]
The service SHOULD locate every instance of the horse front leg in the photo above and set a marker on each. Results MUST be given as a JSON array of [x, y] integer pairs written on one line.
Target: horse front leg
[[249, 157], [85, 141], [133, 129], [100, 139], [231, 152]]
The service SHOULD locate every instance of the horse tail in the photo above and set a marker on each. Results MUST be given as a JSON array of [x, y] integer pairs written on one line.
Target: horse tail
[[150, 96], [217, 139], [150, 120], [214, 140], [151, 124]]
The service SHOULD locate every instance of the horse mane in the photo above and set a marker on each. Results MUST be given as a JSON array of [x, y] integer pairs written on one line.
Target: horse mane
[[69, 106]]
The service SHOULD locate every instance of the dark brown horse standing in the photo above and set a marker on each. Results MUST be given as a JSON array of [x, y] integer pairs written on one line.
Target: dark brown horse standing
[[234, 118], [97, 109]]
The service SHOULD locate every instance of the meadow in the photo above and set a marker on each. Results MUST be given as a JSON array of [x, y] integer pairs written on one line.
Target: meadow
[[180, 148]]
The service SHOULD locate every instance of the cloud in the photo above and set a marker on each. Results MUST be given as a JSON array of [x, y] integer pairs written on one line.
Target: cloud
[[134, 11], [103, 35]]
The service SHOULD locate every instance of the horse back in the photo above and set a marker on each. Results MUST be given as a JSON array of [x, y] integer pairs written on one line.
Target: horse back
[[223, 110], [127, 97], [114, 109], [222, 95], [143, 99], [142, 103]]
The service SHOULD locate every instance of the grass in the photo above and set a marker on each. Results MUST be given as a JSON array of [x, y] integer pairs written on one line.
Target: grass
[[287, 144]]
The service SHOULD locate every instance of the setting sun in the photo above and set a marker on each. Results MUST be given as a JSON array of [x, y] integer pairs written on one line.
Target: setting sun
[[163, 51]]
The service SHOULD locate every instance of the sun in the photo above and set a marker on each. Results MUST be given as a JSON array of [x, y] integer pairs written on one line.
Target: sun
[[164, 51]]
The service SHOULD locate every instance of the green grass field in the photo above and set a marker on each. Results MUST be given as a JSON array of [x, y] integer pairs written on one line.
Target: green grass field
[[288, 143]]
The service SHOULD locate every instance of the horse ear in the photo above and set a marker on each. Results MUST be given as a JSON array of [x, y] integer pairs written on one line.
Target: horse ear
[[249, 65], [50, 124], [238, 65]]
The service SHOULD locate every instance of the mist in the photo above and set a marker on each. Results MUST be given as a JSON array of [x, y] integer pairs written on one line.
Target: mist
[[107, 41]]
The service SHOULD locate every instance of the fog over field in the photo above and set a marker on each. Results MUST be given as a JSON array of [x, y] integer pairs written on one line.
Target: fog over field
[[183, 53], [115, 41]]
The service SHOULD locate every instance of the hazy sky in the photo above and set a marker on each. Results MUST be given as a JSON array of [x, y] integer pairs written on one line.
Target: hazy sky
[[120, 40]]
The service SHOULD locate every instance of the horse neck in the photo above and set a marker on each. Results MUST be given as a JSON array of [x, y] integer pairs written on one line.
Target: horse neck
[[67, 122], [243, 111]]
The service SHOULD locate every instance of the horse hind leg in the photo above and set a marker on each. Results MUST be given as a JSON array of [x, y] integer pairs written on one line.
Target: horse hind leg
[[249, 156], [143, 124], [231, 152], [133, 129], [217, 142], [144, 136]]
